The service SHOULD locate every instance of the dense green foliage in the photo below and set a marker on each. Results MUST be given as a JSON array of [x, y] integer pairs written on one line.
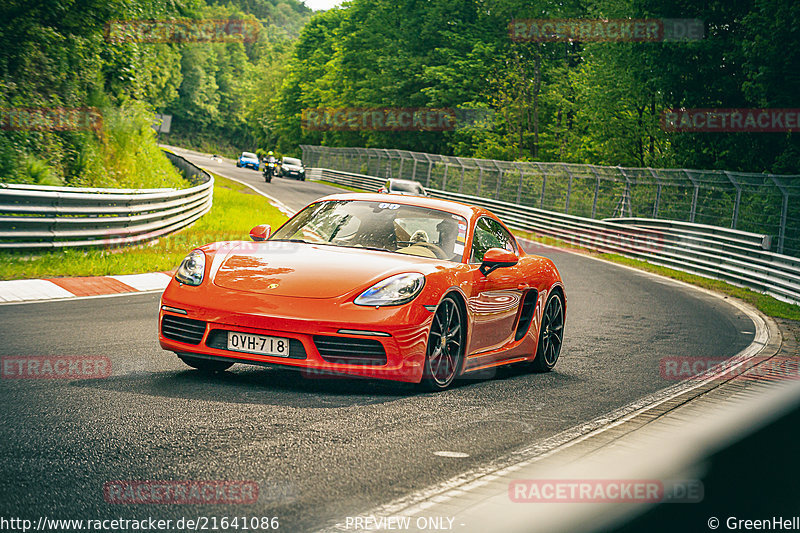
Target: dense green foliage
[[58, 54], [586, 102], [555, 101]]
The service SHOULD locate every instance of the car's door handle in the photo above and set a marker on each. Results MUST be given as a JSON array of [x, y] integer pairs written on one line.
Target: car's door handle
[[523, 286]]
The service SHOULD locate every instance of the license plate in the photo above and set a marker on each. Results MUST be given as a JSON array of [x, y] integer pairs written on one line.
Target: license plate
[[260, 344]]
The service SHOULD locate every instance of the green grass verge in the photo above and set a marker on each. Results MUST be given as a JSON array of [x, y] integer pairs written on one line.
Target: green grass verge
[[235, 211], [766, 304]]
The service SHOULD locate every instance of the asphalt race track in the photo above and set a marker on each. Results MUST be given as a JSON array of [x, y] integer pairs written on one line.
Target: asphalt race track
[[320, 449]]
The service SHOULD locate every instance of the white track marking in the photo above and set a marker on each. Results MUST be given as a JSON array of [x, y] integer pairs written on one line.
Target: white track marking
[[456, 455], [20, 290], [283, 208], [145, 282], [74, 298]]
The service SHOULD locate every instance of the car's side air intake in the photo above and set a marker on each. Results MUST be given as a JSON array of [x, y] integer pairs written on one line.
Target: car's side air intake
[[526, 315]]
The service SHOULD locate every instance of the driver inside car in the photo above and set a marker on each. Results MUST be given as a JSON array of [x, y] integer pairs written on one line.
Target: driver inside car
[[419, 236]]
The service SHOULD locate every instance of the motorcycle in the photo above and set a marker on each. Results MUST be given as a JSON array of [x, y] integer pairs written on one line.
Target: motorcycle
[[270, 169]]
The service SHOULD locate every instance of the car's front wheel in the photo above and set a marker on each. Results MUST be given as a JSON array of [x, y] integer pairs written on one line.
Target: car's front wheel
[[205, 365], [445, 353]]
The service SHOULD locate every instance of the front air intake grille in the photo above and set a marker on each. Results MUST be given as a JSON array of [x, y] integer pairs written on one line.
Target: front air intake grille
[[178, 328], [350, 351]]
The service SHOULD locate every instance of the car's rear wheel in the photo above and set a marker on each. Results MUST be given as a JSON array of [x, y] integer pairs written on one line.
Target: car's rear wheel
[[445, 353], [205, 365], [551, 335]]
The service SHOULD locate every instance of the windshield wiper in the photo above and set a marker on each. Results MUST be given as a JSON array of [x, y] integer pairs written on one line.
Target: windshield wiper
[[376, 248]]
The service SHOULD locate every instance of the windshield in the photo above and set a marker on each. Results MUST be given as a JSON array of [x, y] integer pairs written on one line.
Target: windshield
[[391, 227], [292, 161], [406, 186], [248, 155]]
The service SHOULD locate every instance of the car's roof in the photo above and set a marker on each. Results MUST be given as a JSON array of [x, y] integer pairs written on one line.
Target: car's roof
[[457, 208], [248, 154], [397, 180]]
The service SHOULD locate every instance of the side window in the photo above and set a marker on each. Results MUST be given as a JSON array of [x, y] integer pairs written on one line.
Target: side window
[[490, 234]]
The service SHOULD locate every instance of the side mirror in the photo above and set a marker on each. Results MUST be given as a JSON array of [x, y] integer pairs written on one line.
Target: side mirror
[[495, 258], [261, 233]]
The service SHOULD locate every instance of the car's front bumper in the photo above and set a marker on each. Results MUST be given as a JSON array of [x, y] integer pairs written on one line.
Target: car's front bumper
[[403, 330]]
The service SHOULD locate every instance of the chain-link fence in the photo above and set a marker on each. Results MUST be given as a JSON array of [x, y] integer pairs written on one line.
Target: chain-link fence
[[758, 203]]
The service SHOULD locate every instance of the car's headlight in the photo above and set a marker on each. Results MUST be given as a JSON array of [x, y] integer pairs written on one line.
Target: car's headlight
[[192, 268], [396, 290]]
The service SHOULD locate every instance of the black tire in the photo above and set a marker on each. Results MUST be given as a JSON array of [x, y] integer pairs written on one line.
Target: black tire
[[445, 353], [205, 365], [551, 335]]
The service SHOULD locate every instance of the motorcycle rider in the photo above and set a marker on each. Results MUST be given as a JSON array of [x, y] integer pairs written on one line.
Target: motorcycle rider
[[270, 166]]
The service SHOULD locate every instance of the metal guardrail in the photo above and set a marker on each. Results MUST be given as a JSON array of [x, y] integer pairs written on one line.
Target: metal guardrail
[[35, 217], [759, 203], [734, 256]]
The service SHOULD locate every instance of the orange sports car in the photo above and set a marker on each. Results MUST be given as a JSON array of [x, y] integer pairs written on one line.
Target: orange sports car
[[404, 288]]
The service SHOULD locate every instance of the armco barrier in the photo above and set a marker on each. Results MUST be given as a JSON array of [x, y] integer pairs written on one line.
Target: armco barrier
[[734, 256], [753, 202], [34, 217]]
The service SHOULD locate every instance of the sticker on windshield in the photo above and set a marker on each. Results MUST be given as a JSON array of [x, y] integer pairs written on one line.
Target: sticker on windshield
[[388, 206], [462, 234], [458, 249]]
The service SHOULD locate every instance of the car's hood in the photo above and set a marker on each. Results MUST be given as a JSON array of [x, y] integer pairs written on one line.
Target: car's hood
[[309, 270], [291, 167], [248, 160]]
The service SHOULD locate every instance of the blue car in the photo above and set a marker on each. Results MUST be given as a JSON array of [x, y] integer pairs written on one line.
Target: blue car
[[248, 160]]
